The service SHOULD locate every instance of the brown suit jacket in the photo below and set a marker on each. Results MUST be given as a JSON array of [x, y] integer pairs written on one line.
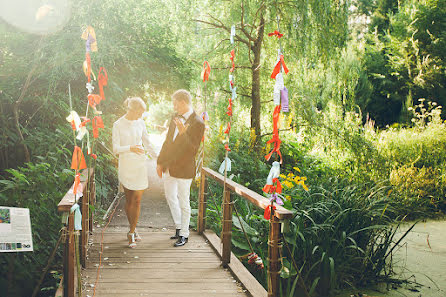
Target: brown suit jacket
[[179, 156]]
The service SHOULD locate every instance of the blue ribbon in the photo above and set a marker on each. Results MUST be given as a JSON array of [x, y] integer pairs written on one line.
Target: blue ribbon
[[77, 216]]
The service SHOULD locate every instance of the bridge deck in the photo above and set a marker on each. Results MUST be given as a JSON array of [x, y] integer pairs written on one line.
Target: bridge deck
[[154, 268]]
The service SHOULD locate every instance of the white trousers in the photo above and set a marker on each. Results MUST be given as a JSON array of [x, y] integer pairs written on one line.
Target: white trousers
[[177, 191]]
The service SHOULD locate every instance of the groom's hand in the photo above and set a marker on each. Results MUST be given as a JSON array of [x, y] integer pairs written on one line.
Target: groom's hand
[[181, 127], [159, 171]]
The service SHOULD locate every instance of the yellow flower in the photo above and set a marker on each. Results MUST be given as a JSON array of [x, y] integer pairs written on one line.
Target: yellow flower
[[288, 197], [288, 184], [302, 183], [282, 176], [290, 174], [297, 169], [296, 179]]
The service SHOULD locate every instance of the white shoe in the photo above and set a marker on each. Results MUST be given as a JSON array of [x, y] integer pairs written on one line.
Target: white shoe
[[137, 237], [131, 238]]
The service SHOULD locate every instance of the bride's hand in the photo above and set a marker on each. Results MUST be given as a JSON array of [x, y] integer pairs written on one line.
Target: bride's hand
[[137, 149]]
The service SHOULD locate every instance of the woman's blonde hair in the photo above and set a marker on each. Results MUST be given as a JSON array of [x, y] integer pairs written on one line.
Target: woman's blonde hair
[[133, 103]]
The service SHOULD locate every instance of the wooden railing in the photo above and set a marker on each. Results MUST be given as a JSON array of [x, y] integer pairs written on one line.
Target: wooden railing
[[278, 215], [64, 206]]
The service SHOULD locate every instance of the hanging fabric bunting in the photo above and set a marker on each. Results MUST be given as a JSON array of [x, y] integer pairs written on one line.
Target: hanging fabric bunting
[[93, 101], [232, 60], [278, 87], [87, 66], [77, 216], [90, 36], [232, 34], [226, 161], [77, 186], [275, 33], [97, 123], [102, 81], [205, 116], [274, 172], [284, 100], [253, 258], [206, 71], [228, 129], [229, 112], [280, 63], [78, 160], [84, 122], [275, 187], [276, 198], [227, 147], [267, 213], [275, 139], [74, 119]]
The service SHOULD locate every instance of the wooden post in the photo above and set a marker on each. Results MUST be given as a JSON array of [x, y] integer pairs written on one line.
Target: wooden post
[[85, 226], [227, 228], [69, 269], [91, 201], [201, 220], [273, 256]]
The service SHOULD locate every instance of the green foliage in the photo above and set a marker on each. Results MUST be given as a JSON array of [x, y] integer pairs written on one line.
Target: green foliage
[[405, 60], [39, 187]]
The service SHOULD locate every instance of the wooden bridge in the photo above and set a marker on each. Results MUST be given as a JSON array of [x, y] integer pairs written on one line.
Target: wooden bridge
[[205, 266]]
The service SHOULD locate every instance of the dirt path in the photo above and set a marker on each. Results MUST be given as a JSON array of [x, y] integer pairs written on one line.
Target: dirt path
[[420, 258]]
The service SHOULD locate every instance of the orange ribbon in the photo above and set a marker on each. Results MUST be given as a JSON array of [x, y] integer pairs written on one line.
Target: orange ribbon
[[102, 81], [77, 181], [232, 60], [267, 213], [227, 147], [97, 123], [278, 66], [229, 112], [275, 137], [94, 99], [275, 33], [276, 187], [78, 160], [84, 122], [206, 71], [228, 129]]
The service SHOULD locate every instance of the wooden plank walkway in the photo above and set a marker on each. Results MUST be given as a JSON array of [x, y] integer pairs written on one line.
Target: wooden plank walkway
[[154, 268]]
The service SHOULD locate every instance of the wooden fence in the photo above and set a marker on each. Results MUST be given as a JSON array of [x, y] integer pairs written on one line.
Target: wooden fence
[[278, 215], [69, 284]]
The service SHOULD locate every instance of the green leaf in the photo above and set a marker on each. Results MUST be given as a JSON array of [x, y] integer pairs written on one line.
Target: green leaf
[[314, 285], [248, 229], [8, 184], [240, 244]]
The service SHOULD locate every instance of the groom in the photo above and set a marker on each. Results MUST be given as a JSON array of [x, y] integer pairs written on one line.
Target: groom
[[176, 161]]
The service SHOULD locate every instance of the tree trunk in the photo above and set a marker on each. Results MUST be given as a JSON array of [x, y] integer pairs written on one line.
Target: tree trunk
[[255, 68]]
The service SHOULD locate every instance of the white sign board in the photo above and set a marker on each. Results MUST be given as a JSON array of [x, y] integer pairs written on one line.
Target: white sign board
[[15, 230]]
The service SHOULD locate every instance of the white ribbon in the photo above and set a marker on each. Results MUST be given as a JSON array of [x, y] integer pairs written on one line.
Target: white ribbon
[[273, 173], [222, 166]]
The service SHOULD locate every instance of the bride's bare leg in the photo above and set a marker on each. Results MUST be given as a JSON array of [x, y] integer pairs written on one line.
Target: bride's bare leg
[[133, 207]]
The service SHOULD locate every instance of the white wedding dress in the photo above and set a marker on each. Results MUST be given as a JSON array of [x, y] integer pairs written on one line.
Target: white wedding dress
[[132, 167]]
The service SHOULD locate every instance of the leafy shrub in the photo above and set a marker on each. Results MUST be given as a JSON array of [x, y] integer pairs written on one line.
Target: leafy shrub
[[38, 187], [421, 190]]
